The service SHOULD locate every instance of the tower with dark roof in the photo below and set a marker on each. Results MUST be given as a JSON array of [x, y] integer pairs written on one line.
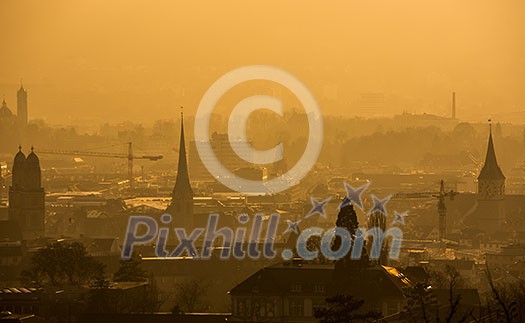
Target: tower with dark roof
[[181, 206], [491, 181], [490, 214], [21, 106], [26, 195]]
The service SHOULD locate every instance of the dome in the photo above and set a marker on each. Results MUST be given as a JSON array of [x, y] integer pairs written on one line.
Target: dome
[[5, 111]]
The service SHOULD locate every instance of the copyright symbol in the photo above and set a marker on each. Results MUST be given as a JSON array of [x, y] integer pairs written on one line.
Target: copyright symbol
[[237, 129]]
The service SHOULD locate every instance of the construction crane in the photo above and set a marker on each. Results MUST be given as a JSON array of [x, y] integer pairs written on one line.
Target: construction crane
[[129, 156]]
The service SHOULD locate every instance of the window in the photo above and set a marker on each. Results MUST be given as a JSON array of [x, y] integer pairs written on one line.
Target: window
[[319, 288], [296, 307], [270, 309], [296, 288], [241, 308], [317, 304]]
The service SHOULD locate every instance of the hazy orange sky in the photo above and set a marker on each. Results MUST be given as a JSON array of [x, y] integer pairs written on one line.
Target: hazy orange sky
[[106, 60]]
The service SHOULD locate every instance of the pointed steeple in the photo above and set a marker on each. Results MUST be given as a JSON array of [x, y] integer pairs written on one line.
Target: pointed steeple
[[21, 89], [491, 169], [181, 205], [183, 179], [21, 105]]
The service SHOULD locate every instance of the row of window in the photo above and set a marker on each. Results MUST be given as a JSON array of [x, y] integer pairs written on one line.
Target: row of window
[[20, 309], [298, 288], [259, 308]]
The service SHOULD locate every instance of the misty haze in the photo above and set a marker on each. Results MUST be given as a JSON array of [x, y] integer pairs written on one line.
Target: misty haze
[[277, 161]]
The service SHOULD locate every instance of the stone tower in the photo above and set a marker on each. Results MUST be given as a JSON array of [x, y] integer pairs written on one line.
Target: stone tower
[[491, 181], [21, 106], [491, 192], [26, 195]]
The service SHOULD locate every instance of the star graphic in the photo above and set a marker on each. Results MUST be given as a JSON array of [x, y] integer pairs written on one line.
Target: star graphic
[[292, 226], [318, 207], [379, 205], [399, 217], [353, 195]]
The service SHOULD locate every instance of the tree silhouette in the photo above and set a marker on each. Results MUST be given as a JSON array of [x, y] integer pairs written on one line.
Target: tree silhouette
[[189, 296], [130, 271], [347, 219], [63, 263], [344, 309]]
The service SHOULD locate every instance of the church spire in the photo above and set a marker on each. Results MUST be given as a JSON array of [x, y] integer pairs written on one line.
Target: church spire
[[181, 205], [491, 169], [183, 178]]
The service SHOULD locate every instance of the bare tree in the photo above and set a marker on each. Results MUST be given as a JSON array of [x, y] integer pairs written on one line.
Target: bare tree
[[454, 299], [422, 304], [506, 298], [190, 296]]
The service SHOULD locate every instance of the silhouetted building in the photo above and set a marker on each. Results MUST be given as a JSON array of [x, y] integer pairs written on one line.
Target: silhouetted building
[[181, 206], [6, 115], [7, 118], [26, 195], [290, 292], [491, 210], [21, 106], [491, 192]]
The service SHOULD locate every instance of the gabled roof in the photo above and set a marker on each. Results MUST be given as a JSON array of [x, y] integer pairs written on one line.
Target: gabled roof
[[277, 279], [416, 274], [364, 284]]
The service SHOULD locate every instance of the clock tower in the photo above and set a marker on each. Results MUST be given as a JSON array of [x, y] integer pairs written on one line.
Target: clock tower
[[491, 191]]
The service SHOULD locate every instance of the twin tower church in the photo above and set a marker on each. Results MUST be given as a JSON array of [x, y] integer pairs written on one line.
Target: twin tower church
[[27, 196]]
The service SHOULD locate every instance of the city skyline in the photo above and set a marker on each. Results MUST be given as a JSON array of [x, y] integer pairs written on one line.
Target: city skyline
[[413, 55], [249, 161]]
